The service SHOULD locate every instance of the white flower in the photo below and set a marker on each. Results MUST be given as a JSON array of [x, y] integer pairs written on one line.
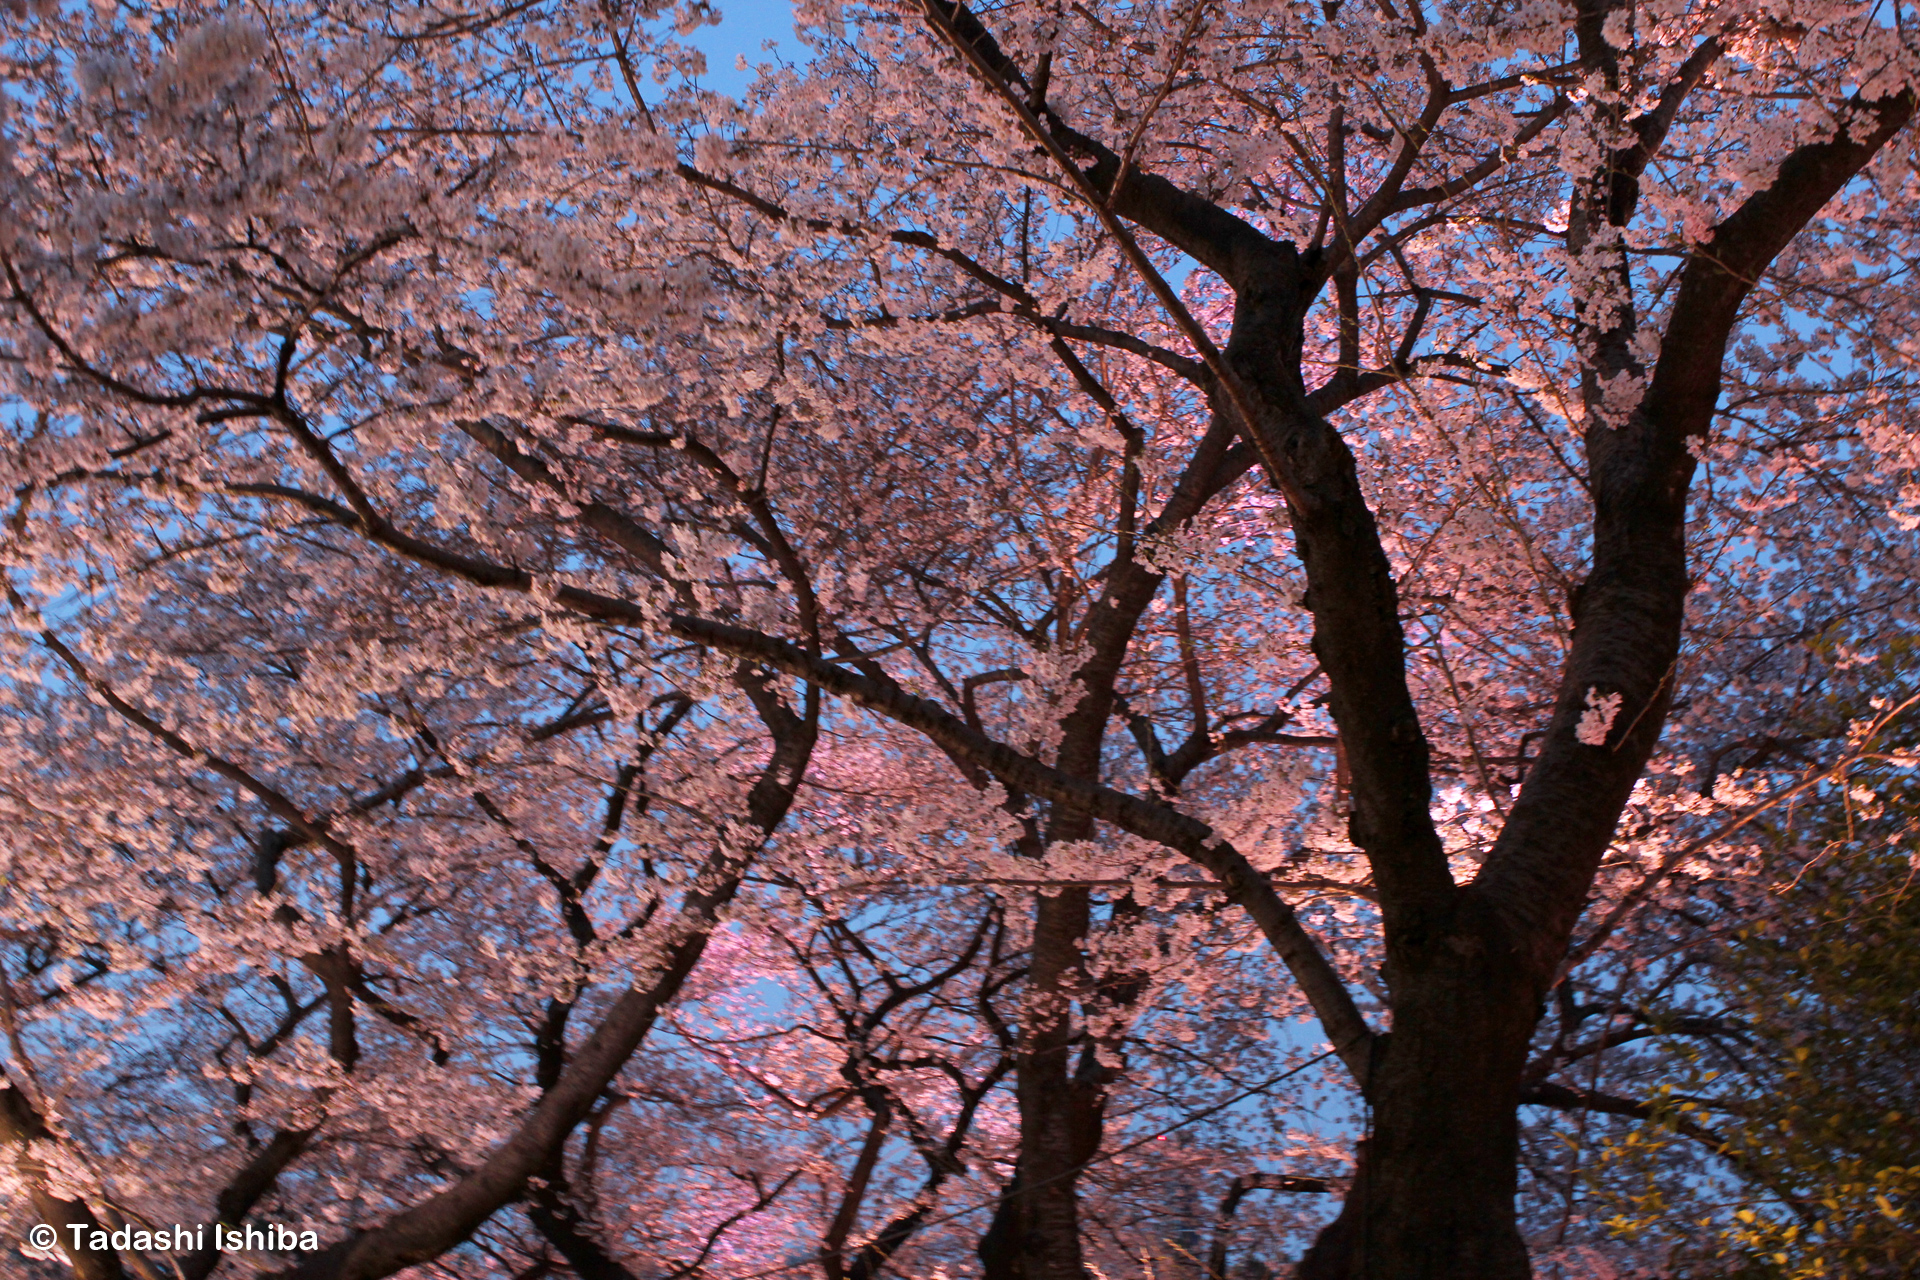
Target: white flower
[[1597, 720]]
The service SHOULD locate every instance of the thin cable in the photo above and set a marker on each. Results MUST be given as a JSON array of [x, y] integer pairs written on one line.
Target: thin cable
[[1201, 1114]]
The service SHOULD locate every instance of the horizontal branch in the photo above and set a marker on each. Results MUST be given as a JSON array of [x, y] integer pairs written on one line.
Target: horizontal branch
[[1244, 886]]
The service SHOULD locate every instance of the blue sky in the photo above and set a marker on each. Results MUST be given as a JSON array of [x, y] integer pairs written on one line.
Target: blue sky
[[744, 25]]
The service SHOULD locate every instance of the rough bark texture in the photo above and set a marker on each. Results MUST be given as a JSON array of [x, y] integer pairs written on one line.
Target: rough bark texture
[[1060, 1083], [1467, 966], [1434, 1197], [23, 1128], [438, 1223], [1434, 1193]]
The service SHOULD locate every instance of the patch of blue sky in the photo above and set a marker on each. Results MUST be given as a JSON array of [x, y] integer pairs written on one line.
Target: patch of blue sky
[[738, 42]]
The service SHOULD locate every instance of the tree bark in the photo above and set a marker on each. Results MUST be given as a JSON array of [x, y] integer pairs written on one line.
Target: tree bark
[[1434, 1198], [1433, 1191], [1467, 966], [1035, 1235], [22, 1127]]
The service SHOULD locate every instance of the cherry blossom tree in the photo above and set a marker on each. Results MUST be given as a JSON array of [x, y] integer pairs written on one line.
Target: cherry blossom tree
[[1200, 475]]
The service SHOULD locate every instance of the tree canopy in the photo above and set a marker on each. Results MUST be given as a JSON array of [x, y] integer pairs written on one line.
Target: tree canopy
[[1079, 639]]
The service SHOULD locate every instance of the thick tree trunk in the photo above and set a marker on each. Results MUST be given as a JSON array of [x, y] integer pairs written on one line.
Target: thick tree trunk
[[1433, 1197], [22, 1127], [1036, 1233]]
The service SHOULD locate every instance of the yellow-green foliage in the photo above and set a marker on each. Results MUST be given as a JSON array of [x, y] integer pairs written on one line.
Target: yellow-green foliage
[[1822, 1122]]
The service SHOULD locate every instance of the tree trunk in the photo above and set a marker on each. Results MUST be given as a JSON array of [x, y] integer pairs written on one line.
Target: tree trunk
[[1433, 1193], [1036, 1233]]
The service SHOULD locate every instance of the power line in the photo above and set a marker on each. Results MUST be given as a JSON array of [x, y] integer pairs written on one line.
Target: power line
[[1082, 1167]]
